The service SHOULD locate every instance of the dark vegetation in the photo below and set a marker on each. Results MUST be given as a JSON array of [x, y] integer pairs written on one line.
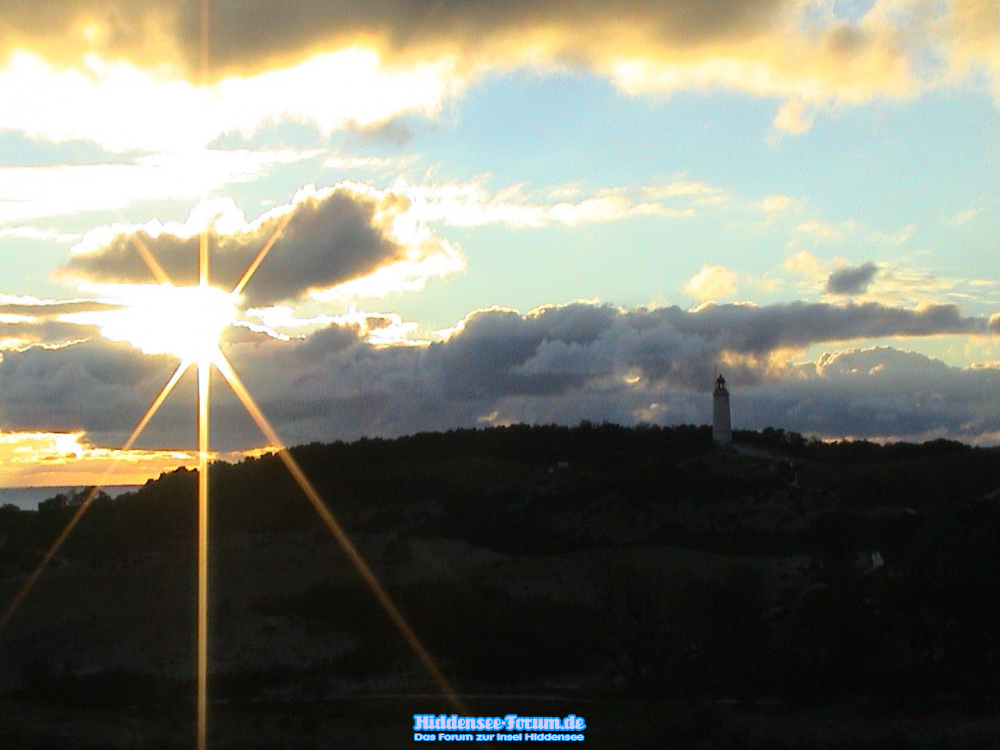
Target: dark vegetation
[[841, 569]]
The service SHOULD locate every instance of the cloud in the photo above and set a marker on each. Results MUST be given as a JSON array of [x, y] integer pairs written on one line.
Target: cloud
[[794, 117], [824, 231], [38, 234], [881, 393], [27, 321], [806, 266], [712, 283], [267, 59], [121, 105], [565, 363], [326, 239], [684, 188], [970, 34], [250, 38], [775, 204], [852, 279], [893, 238], [47, 191], [471, 204], [354, 163], [894, 284], [35, 310], [93, 385], [43, 459]]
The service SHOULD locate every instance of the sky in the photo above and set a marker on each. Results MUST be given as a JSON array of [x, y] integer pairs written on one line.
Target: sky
[[481, 214]]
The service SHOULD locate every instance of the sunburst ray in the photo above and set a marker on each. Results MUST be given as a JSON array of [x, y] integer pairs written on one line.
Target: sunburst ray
[[362, 567], [150, 260], [64, 535], [204, 378], [259, 258]]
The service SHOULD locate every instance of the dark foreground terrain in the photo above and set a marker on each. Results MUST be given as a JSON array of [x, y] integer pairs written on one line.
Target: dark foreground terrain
[[781, 593]]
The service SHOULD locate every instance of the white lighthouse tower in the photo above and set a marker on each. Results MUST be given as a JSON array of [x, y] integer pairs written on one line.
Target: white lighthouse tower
[[722, 431]]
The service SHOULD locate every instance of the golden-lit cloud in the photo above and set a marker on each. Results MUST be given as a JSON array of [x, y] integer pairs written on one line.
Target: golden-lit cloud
[[117, 65], [42, 459], [247, 38], [28, 321], [712, 282], [775, 204], [892, 283], [794, 117]]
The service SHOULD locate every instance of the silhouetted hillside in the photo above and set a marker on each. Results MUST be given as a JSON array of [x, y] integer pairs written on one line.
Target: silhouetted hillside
[[606, 560]]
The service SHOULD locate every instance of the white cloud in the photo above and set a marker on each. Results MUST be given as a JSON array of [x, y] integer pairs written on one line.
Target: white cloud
[[824, 231], [38, 234], [30, 193], [893, 238], [683, 188], [345, 162], [794, 117], [122, 107], [472, 204], [775, 204]]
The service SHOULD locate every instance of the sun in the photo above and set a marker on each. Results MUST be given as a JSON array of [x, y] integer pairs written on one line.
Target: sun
[[188, 322], [185, 321]]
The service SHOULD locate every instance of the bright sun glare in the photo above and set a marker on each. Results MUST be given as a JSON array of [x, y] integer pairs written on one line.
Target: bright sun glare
[[185, 321]]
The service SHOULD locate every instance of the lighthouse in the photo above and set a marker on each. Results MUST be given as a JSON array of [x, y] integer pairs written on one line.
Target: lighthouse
[[722, 431]]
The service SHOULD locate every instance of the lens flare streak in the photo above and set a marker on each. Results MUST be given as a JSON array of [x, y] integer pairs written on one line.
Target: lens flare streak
[[61, 539], [259, 258], [151, 263], [366, 573], [205, 353], [204, 378]]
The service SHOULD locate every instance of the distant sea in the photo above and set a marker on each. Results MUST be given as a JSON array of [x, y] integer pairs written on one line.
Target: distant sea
[[28, 498]]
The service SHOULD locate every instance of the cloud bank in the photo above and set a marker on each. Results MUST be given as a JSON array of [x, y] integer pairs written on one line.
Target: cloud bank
[[796, 50], [555, 364]]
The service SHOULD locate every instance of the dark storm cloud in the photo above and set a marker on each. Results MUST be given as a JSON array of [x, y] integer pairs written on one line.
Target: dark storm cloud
[[329, 238], [797, 324], [26, 322], [852, 280], [565, 364], [97, 385], [41, 333], [562, 347], [880, 392], [560, 364]]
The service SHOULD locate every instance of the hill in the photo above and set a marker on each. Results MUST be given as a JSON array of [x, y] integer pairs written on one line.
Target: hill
[[599, 561]]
